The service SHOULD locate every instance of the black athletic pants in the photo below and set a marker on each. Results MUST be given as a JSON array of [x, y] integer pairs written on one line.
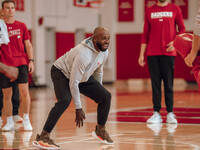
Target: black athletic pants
[[92, 89], [162, 68], [15, 99]]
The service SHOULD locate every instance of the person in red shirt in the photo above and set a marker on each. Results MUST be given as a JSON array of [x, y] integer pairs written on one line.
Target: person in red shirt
[[160, 25], [14, 54]]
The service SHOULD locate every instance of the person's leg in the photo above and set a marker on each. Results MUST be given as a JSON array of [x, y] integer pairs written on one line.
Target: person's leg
[[154, 70], [167, 63], [7, 94], [16, 102], [7, 103], [15, 98], [168, 78], [94, 90], [155, 73], [26, 101], [25, 96], [63, 95]]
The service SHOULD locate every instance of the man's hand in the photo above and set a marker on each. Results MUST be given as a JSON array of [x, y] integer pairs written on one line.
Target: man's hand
[[189, 59], [80, 115], [30, 67], [12, 73], [170, 47], [141, 61]]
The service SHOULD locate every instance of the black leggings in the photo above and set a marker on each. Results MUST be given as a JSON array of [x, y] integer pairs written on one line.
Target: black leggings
[[162, 68], [92, 89]]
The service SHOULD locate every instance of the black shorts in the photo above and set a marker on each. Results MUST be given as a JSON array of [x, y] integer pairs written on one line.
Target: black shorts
[[22, 78]]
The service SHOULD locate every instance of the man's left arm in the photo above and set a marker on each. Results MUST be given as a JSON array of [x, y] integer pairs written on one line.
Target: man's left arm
[[29, 50]]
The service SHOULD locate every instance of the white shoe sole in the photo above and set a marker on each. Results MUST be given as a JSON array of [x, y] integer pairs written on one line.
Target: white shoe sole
[[28, 129], [154, 122], [36, 144], [102, 141], [172, 122], [12, 129], [8, 130]]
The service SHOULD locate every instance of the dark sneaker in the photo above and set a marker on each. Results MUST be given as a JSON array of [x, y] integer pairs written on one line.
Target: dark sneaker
[[45, 143], [101, 134]]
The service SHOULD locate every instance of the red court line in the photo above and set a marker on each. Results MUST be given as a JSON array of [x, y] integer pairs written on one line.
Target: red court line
[[144, 119], [175, 109], [178, 114], [183, 115]]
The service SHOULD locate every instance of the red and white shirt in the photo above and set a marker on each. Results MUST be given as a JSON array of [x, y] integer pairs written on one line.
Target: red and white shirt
[[160, 28], [14, 53]]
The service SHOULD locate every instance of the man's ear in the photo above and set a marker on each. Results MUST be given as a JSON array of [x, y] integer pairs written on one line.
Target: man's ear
[[1, 13]]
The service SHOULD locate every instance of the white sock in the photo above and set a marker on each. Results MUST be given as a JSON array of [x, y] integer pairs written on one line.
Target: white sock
[[10, 119], [25, 116]]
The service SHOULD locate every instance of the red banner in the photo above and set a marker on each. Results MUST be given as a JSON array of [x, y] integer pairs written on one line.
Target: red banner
[[19, 5], [183, 4], [125, 10]]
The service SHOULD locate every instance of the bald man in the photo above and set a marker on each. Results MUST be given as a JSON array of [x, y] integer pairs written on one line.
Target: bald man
[[80, 71]]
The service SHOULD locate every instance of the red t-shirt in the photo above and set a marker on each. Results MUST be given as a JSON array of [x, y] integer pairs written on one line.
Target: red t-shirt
[[14, 53], [160, 28]]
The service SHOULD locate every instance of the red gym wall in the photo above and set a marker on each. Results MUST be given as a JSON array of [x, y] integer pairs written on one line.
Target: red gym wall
[[64, 42]]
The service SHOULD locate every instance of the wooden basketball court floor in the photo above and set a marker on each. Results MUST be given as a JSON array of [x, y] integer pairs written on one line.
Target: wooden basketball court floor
[[126, 95]]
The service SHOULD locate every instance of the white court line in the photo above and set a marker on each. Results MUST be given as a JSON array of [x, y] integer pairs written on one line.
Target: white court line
[[86, 139]]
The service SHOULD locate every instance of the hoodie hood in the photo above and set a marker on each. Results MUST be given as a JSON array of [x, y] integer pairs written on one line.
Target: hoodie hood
[[88, 43]]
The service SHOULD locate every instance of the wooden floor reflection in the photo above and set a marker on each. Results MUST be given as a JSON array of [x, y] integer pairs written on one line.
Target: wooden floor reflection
[[126, 95]]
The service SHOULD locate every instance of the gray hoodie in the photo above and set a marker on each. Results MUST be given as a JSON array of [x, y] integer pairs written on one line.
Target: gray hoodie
[[79, 64]]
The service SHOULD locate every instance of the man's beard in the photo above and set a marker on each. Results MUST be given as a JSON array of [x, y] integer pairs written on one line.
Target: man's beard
[[162, 1], [100, 47]]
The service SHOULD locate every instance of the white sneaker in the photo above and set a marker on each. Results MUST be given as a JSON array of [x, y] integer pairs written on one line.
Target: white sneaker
[[155, 118], [17, 119], [171, 118], [1, 121], [9, 126], [171, 128], [155, 128], [27, 125]]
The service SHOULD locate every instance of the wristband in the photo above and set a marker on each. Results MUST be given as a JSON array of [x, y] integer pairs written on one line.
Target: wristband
[[31, 60]]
